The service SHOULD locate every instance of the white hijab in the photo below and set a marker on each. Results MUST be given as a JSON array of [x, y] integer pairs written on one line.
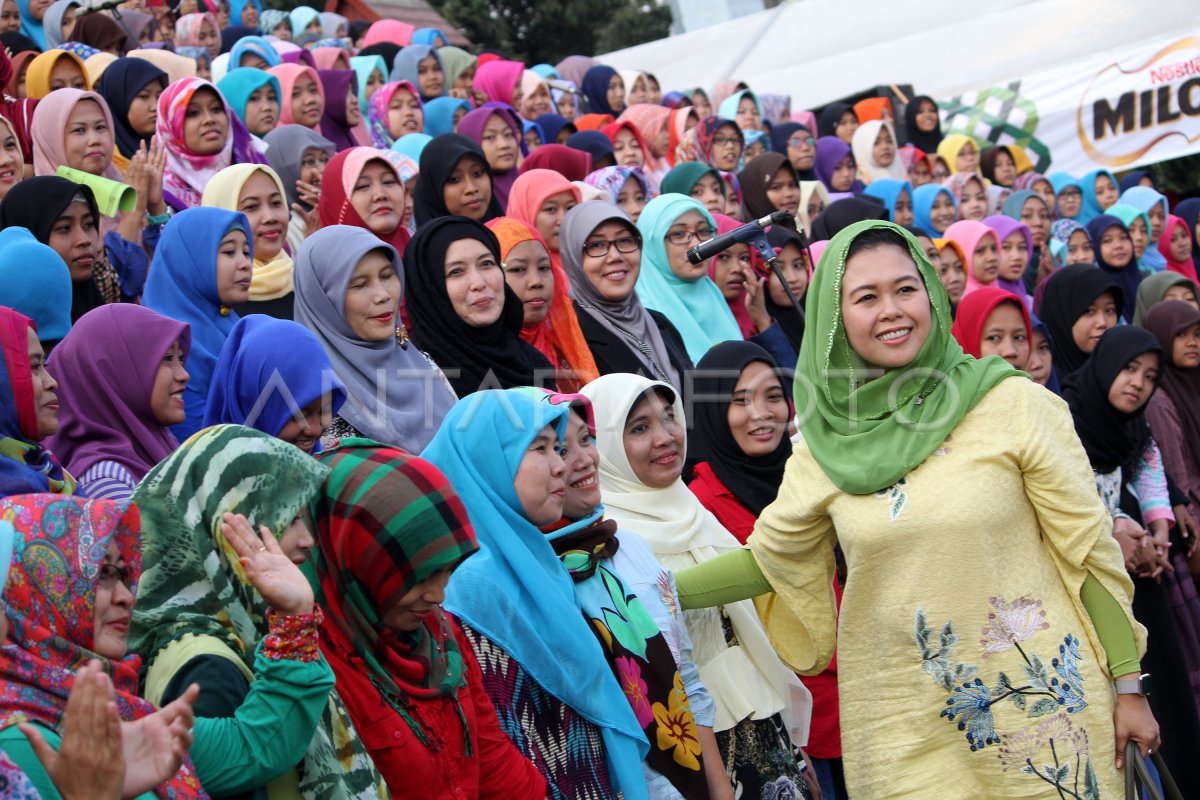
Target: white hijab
[[863, 145], [747, 680]]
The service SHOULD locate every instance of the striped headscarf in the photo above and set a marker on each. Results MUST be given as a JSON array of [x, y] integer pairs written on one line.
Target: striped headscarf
[[194, 582], [386, 521]]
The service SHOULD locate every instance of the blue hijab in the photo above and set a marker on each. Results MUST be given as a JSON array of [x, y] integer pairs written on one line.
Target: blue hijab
[[1128, 278], [428, 36], [301, 17], [551, 124], [888, 190], [1091, 206], [729, 106], [363, 66], [258, 46], [36, 281], [923, 198], [1015, 202], [696, 308], [183, 286], [1060, 181], [31, 27], [236, 7], [406, 67], [595, 89], [439, 114], [1143, 198], [268, 371], [514, 590], [546, 71], [412, 145], [238, 84]]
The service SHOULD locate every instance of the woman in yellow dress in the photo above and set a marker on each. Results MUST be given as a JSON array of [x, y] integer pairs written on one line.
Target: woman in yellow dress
[[986, 608]]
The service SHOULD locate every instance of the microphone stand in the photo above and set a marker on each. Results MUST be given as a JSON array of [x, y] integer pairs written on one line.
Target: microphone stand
[[767, 253]]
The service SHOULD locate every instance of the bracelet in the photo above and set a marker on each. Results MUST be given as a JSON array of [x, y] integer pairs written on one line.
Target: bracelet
[[293, 637], [159, 219]]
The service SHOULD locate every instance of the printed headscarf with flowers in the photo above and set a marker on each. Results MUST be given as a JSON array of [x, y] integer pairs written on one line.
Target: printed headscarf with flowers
[[50, 601]]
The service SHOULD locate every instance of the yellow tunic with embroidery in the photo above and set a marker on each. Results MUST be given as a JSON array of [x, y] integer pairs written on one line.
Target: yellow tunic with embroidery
[[967, 665]]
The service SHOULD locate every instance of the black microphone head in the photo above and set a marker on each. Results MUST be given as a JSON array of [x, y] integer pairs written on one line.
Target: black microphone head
[[783, 215], [693, 255]]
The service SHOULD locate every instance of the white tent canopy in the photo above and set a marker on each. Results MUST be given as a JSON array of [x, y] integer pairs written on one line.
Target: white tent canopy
[[820, 50]]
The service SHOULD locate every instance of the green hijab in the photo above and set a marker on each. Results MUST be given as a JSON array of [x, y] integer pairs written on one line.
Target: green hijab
[[193, 581], [899, 418], [1152, 290]]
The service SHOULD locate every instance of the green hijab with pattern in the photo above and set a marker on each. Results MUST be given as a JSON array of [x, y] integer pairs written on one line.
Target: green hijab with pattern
[[193, 581], [868, 430]]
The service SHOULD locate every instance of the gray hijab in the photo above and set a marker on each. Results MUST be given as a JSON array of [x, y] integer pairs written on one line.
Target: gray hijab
[[400, 380], [626, 319], [52, 22], [285, 152]]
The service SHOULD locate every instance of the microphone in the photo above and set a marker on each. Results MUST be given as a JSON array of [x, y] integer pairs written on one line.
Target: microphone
[[744, 233], [90, 6], [562, 86]]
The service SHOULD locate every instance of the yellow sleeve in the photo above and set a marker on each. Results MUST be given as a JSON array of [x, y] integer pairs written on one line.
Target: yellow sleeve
[[1074, 522], [793, 544]]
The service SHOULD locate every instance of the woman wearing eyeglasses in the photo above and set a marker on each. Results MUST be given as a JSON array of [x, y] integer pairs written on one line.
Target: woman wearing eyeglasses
[[601, 252], [670, 225]]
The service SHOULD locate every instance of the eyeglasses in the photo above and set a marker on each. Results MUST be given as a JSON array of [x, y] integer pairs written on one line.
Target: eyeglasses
[[720, 141], [685, 237], [800, 141], [600, 247], [111, 575]]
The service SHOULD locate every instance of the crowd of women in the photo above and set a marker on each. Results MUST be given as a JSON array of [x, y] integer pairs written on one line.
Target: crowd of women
[[384, 442]]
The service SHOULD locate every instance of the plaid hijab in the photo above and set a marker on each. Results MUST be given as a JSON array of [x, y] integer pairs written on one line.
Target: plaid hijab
[[385, 521], [50, 601]]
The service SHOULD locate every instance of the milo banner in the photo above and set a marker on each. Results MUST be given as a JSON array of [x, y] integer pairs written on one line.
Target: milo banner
[[1129, 107]]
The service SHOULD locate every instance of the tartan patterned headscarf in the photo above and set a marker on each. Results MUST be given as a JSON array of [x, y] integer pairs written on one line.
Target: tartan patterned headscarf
[[386, 521]]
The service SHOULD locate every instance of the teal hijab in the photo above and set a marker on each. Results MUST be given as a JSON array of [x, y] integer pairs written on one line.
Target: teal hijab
[[696, 308], [238, 84], [515, 590], [363, 66], [866, 434], [729, 106]]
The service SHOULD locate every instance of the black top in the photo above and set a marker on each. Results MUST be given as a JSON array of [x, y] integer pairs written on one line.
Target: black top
[[613, 354]]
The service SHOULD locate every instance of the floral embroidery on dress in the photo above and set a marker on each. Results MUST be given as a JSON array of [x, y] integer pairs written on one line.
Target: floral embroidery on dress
[[945, 449], [896, 496], [1054, 750]]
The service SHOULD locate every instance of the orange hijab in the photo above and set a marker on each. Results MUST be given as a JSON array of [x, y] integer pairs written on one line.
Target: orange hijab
[[558, 336]]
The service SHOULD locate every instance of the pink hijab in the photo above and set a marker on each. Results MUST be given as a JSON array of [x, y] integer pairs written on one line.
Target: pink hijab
[[967, 234], [288, 74], [498, 79], [391, 31], [50, 123]]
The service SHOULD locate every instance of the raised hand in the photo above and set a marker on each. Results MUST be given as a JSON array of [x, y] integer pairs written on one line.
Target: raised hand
[[309, 192], [156, 744], [155, 165], [89, 762], [312, 218], [755, 300], [277, 579]]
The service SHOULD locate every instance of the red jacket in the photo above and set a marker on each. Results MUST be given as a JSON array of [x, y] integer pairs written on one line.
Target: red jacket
[[496, 769], [724, 505]]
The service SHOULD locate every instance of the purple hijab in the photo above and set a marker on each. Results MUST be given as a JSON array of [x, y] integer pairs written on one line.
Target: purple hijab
[[471, 126], [830, 152], [1005, 227], [334, 126], [105, 368]]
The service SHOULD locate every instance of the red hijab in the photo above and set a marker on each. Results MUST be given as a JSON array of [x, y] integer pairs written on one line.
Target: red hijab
[[1186, 267], [337, 184], [973, 313]]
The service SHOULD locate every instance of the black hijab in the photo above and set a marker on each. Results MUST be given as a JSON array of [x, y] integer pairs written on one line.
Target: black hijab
[[438, 330], [1069, 292], [754, 481], [845, 212], [788, 318], [827, 122], [438, 160], [1111, 438], [386, 50], [36, 204], [780, 134], [926, 142], [119, 85], [987, 162]]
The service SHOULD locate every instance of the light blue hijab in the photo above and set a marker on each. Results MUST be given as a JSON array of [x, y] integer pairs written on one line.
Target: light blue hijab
[[301, 17], [696, 308], [1091, 206], [258, 46], [923, 198], [412, 145], [183, 286], [363, 66], [439, 114], [1060, 181], [238, 84], [1143, 198], [729, 106], [514, 590], [888, 190]]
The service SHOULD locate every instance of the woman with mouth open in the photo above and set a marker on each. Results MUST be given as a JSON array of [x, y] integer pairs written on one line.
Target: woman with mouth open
[[122, 379], [602, 256], [223, 603], [201, 271], [895, 419]]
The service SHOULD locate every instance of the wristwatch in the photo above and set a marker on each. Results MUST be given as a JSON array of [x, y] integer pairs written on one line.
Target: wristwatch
[[1139, 685]]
